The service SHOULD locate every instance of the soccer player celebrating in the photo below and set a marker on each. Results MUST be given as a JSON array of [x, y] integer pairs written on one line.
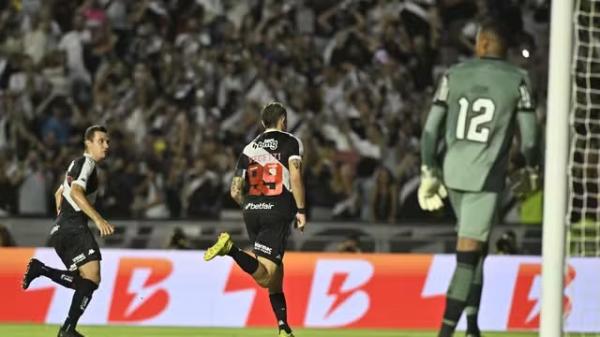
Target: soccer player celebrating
[[477, 103], [268, 186], [71, 237]]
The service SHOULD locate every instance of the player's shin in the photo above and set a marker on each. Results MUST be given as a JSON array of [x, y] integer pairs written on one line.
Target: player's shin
[[280, 309], [84, 289], [65, 278], [459, 289]]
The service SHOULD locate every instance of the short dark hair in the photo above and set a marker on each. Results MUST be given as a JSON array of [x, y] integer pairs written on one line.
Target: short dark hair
[[271, 113], [89, 132], [494, 27]]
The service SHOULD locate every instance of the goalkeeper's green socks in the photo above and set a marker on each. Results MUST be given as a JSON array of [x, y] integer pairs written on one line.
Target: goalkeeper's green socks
[[458, 292]]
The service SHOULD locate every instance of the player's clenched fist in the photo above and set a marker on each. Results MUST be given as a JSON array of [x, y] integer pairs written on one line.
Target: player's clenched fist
[[105, 228], [431, 190], [300, 221]]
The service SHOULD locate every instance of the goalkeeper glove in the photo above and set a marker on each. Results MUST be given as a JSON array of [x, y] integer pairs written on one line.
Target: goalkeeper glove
[[525, 181], [431, 190]]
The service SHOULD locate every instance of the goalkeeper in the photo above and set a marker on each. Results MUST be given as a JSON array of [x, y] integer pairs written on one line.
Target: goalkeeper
[[477, 105]]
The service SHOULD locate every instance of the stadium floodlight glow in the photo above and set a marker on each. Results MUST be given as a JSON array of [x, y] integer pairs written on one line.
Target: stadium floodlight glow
[[525, 53]]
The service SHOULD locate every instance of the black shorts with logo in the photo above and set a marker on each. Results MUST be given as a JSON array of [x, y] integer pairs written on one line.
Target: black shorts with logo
[[268, 232], [75, 245]]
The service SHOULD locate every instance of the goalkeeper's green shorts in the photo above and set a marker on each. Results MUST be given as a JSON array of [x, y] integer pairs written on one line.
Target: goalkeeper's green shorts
[[476, 212]]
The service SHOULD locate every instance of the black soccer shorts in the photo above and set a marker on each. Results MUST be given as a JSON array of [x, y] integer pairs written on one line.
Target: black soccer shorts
[[268, 233], [75, 245]]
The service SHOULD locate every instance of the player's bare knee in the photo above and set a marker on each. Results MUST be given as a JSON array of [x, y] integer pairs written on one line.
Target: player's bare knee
[[465, 244], [90, 271], [264, 281], [94, 277], [261, 276]]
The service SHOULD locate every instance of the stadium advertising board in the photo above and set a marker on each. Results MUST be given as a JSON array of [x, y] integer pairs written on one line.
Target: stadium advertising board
[[166, 288]]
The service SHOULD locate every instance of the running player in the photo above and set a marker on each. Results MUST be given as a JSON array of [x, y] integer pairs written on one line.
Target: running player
[[71, 237], [268, 186]]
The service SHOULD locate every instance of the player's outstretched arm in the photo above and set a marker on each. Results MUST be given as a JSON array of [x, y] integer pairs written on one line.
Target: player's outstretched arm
[[58, 198], [78, 195], [295, 165], [236, 188]]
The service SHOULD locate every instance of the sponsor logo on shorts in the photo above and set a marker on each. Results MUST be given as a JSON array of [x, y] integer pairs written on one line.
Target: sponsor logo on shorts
[[91, 251], [79, 258], [262, 248], [259, 206], [66, 278]]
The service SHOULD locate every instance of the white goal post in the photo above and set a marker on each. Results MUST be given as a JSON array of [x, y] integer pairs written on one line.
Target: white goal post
[[555, 175]]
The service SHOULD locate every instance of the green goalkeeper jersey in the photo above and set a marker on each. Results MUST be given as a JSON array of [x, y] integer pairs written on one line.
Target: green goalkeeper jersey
[[480, 100]]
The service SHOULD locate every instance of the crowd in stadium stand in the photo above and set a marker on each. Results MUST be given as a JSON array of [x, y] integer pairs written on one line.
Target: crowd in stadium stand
[[180, 84]]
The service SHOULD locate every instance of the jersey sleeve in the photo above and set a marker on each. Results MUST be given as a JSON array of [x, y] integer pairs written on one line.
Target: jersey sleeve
[[526, 102], [296, 149], [441, 94], [241, 166], [80, 172]]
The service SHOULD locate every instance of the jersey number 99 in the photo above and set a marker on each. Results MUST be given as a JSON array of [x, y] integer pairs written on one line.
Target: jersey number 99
[[476, 132], [265, 180]]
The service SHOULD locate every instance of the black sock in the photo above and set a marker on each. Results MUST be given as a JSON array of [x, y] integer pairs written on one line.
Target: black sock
[[84, 289], [474, 299], [248, 263], [280, 309], [452, 313], [63, 277], [459, 290]]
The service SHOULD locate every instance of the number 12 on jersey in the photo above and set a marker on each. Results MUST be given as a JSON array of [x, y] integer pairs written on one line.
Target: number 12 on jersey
[[476, 131]]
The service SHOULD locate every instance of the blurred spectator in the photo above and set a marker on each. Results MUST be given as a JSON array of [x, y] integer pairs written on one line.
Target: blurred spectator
[[202, 192], [150, 200], [350, 245], [178, 240], [180, 85], [6, 239], [507, 244], [33, 190], [10, 179], [384, 196]]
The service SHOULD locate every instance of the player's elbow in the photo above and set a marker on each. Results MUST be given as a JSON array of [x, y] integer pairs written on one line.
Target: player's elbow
[[235, 194]]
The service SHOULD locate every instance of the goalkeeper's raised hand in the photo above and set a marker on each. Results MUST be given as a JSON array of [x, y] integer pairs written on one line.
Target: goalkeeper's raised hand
[[431, 190]]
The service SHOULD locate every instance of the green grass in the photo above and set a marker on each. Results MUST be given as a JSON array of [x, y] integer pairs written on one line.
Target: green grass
[[129, 331]]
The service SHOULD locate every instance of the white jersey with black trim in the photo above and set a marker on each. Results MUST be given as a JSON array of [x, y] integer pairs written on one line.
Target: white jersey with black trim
[[82, 172], [264, 164]]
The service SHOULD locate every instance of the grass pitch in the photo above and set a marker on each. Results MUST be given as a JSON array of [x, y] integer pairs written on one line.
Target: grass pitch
[[130, 331]]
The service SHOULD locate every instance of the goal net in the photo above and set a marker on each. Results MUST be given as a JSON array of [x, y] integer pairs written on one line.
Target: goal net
[[584, 163]]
